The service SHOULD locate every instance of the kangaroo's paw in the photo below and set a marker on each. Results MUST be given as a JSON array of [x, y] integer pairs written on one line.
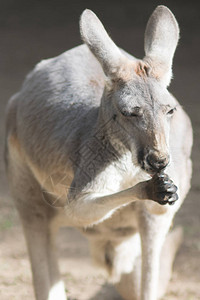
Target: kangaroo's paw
[[162, 189]]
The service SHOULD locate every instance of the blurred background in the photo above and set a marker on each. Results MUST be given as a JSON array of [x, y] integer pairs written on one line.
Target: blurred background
[[32, 30]]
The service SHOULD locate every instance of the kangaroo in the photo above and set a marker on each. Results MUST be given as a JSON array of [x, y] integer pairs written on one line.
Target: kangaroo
[[96, 141]]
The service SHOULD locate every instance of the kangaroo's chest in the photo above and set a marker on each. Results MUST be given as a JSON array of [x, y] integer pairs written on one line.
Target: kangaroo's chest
[[112, 176]]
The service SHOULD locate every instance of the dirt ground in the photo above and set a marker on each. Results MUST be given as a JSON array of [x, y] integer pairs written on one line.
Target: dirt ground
[[33, 30]]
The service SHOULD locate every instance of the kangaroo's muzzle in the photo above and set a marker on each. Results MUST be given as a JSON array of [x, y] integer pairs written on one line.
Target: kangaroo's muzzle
[[153, 161], [157, 162]]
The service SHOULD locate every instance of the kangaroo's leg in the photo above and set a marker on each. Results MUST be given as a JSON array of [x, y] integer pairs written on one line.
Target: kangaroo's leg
[[37, 216], [153, 230], [168, 253], [37, 240], [41, 248], [129, 284], [57, 290]]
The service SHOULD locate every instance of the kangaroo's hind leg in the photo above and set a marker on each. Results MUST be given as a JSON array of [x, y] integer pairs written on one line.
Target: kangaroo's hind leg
[[129, 284], [41, 248], [36, 216]]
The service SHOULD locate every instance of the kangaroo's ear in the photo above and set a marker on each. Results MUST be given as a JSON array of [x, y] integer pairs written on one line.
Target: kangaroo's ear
[[161, 38], [95, 36]]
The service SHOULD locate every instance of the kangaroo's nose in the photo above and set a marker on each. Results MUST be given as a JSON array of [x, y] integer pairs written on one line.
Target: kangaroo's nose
[[156, 161]]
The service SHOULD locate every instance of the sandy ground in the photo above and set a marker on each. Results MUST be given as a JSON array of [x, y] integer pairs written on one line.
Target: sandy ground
[[33, 30]]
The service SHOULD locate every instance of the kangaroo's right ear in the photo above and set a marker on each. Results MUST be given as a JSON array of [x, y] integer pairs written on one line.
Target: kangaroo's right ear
[[95, 36], [161, 38]]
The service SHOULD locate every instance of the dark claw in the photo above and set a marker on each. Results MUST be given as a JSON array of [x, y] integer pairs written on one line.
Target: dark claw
[[161, 175], [165, 187], [171, 203], [163, 198], [162, 202], [173, 198], [172, 189]]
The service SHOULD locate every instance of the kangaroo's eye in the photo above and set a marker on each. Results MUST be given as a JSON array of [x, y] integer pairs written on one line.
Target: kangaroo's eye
[[171, 111], [135, 112], [128, 114]]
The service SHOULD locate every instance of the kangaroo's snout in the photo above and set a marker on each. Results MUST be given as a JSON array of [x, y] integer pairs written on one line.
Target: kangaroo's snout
[[156, 161], [153, 161]]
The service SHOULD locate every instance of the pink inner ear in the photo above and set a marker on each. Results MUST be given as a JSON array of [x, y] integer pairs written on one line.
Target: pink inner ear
[[157, 69], [142, 69]]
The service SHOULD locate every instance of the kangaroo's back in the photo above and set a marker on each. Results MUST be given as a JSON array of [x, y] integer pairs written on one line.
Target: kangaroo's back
[[71, 80], [58, 102]]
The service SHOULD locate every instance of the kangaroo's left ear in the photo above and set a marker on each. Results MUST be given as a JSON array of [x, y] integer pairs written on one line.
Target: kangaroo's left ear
[[161, 39]]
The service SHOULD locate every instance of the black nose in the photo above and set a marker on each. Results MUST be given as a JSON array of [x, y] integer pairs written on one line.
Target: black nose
[[157, 162]]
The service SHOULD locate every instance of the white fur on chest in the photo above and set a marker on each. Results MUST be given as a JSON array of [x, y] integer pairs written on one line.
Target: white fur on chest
[[120, 175]]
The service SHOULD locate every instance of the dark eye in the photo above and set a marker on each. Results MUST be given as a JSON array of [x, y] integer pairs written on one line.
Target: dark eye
[[128, 113], [135, 112], [171, 111]]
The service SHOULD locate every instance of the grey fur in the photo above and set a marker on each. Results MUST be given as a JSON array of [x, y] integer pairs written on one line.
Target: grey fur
[[85, 134]]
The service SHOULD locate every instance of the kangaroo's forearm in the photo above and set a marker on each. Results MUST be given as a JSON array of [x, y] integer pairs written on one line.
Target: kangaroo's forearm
[[92, 208]]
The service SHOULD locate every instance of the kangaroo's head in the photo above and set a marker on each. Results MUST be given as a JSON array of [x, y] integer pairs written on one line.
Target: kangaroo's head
[[136, 95]]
